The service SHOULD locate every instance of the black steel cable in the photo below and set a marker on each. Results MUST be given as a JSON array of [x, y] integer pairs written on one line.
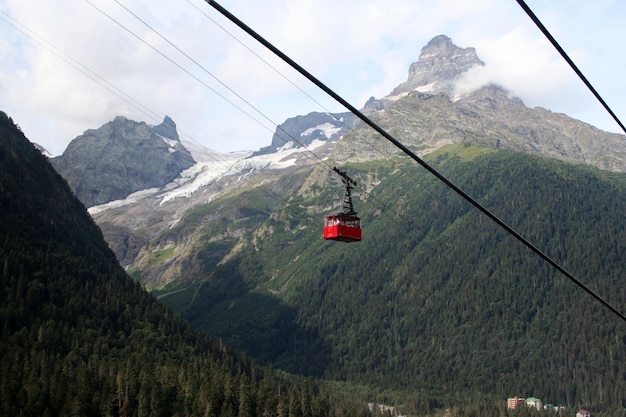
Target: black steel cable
[[408, 152], [554, 43], [77, 65], [172, 61], [326, 110]]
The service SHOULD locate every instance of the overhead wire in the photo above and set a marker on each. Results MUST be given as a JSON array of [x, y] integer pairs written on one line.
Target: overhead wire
[[327, 111], [571, 63], [117, 91], [41, 41], [186, 55], [413, 156]]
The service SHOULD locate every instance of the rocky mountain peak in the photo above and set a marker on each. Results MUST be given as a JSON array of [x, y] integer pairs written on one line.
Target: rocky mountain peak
[[121, 157], [167, 129], [438, 67]]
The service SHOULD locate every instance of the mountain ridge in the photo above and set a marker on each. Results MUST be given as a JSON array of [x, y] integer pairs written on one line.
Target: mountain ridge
[[423, 121], [435, 297], [302, 131]]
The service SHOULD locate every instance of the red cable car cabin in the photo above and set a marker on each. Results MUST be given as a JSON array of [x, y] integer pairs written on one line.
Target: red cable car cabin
[[346, 226], [342, 227]]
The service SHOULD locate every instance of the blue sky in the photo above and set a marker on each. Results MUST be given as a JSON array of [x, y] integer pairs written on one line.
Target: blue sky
[[78, 69]]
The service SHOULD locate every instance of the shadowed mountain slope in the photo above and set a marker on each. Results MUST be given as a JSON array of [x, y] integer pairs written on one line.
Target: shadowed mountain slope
[[79, 337]]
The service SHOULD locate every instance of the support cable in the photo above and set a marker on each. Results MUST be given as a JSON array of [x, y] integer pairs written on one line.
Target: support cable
[[171, 60], [147, 111], [554, 43], [412, 155], [326, 110]]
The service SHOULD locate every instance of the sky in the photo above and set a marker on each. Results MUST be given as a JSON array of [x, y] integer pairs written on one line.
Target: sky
[[69, 66]]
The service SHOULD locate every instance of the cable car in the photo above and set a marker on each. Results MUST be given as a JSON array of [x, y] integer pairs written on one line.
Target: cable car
[[344, 226]]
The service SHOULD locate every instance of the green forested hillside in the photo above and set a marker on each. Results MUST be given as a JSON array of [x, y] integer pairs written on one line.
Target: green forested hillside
[[80, 338], [436, 299]]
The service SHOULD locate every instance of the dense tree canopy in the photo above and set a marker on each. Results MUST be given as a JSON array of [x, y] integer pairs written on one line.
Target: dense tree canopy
[[437, 298], [81, 338]]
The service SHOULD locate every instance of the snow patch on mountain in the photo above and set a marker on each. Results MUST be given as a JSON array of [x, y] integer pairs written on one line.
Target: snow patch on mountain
[[327, 129], [397, 96], [205, 173], [131, 199], [425, 88], [171, 143], [209, 168]]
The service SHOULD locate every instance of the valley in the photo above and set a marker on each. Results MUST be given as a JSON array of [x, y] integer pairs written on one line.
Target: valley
[[437, 310]]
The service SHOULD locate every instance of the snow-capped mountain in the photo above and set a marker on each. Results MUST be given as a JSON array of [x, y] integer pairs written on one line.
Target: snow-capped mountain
[[302, 131], [440, 65], [211, 167], [423, 112]]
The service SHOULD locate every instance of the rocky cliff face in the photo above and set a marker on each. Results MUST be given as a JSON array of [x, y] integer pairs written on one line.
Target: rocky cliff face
[[436, 71], [440, 64], [424, 113], [167, 129], [120, 158]]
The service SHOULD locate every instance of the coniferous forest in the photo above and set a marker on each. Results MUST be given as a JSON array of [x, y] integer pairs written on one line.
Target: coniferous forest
[[80, 338], [437, 311], [437, 299]]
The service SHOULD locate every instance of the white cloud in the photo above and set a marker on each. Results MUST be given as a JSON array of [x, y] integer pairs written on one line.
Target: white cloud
[[360, 48]]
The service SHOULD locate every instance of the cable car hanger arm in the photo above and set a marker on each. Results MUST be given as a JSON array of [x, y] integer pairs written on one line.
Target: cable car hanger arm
[[345, 176], [348, 206]]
